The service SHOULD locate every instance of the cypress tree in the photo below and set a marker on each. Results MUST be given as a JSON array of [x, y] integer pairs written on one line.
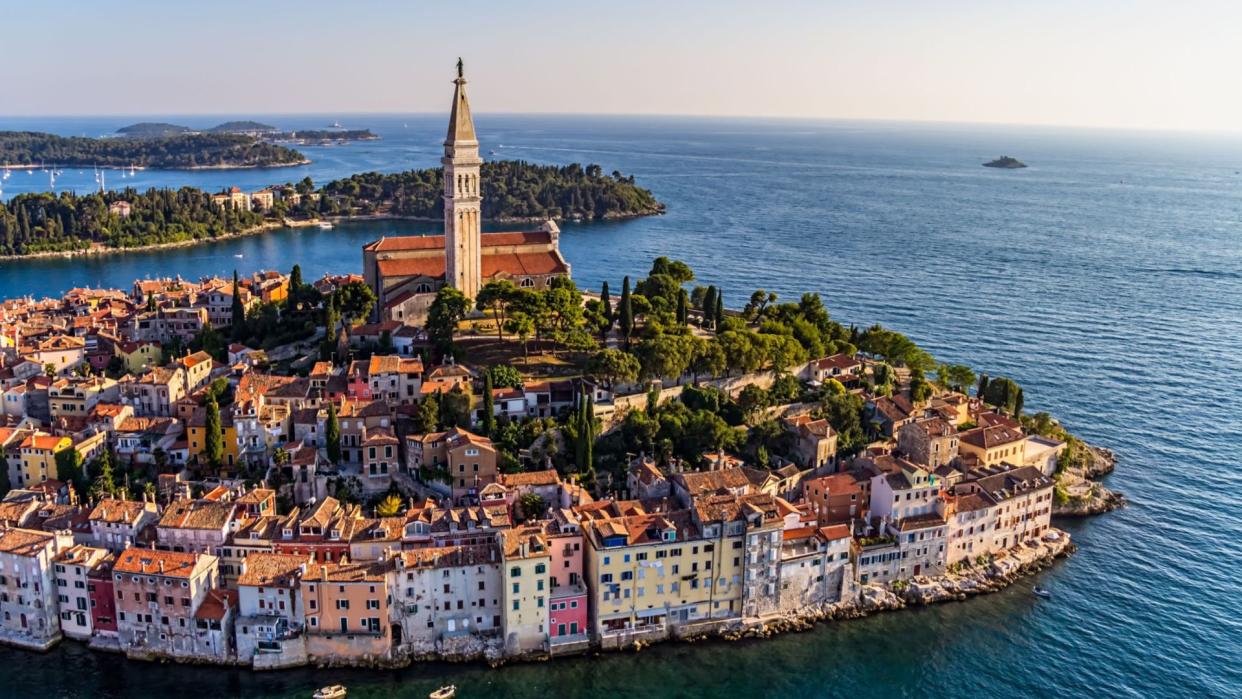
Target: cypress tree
[[332, 435], [719, 320], [239, 312], [1017, 403], [605, 302], [295, 280], [213, 447], [489, 403], [982, 388], [683, 301], [627, 312], [709, 307]]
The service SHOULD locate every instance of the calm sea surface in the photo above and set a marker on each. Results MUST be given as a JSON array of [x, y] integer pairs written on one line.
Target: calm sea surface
[[1106, 278]]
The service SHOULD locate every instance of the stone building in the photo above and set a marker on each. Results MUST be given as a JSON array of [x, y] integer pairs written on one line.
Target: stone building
[[405, 272]]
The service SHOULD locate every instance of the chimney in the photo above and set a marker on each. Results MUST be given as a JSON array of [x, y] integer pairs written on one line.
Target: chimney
[[161, 564]]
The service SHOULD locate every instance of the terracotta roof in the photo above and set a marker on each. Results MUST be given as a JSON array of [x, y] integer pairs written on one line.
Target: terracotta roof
[[197, 514], [989, 437], [531, 478], [172, 564], [527, 263], [116, 511], [366, 571], [272, 568], [834, 532], [449, 556], [23, 542], [216, 604]]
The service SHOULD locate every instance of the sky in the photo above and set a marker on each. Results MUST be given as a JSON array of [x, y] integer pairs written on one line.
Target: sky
[[1138, 64]]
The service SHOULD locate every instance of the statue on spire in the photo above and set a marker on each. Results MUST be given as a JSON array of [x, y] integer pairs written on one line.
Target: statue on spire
[[460, 69]]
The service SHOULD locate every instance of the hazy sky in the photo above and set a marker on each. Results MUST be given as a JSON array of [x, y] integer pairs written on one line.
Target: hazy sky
[[1144, 64]]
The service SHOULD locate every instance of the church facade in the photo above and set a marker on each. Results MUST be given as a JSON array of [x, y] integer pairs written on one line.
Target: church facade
[[405, 272]]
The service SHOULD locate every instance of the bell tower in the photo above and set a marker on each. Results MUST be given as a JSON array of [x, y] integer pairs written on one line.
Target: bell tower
[[462, 201]]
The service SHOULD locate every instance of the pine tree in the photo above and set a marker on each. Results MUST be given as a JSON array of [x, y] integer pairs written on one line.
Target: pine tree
[[332, 435], [626, 321], [489, 406], [239, 312], [683, 302], [213, 448]]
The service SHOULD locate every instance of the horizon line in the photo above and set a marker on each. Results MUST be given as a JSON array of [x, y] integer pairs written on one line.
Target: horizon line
[[657, 115]]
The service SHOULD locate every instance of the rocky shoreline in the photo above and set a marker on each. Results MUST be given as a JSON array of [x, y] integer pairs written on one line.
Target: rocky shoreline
[[1079, 494], [96, 250]]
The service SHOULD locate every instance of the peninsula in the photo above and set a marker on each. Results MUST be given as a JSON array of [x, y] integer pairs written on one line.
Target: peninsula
[[189, 151], [1005, 162], [256, 129], [460, 454]]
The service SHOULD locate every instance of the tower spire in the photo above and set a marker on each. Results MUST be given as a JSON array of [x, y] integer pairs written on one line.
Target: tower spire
[[462, 200], [461, 124]]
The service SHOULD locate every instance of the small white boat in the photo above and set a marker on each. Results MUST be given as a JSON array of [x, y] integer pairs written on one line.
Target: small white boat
[[1041, 592], [335, 691], [239, 255], [446, 692], [325, 225]]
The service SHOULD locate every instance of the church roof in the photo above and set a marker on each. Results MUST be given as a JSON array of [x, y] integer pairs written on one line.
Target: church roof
[[461, 125], [406, 243], [493, 264]]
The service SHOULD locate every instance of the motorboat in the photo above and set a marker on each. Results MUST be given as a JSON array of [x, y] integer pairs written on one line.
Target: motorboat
[[335, 691], [1041, 592], [325, 225], [446, 692]]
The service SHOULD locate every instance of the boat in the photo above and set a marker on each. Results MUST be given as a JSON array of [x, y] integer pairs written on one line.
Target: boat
[[336, 125], [335, 691], [1041, 592], [239, 255], [325, 225], [446, 692]]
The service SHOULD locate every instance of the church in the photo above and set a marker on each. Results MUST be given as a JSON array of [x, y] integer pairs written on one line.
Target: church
[[406, 271]]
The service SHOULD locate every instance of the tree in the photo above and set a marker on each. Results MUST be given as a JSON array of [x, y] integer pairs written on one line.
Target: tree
[[709, 307], [718, 321], [613, 366], [213, 441], [238, 314], [428, 418], [69, 468], [455, 408], [708, 359], [521, 326], [626, 316], [1018, 400], [752, 400], [496, 295], [982, 388], [666, 355], [295, 280], [683, 303], [955, 376], [332, 435], [504, 376], [331, 319], [354, 301], [390, 506], [447, 310], [5, 484], [531, 505], [605, 302], [489, 405], [104, 485]]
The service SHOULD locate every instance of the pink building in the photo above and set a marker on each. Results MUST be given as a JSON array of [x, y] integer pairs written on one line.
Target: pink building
[[567, 605]]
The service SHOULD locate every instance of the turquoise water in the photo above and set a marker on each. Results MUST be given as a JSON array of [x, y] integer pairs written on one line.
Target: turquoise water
[[1106, 278]]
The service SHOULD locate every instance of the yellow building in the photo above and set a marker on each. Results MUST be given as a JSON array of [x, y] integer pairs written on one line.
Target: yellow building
[[78, 397], [526, 587], [38, 459], [139, 355], [993, 445], [196, 433], [650, 573]]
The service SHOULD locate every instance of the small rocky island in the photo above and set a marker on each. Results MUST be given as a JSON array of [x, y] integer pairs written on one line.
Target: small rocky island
[[1006, 162]]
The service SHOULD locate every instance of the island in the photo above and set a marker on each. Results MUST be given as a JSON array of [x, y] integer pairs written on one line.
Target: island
[[512, 190], [266, 132], [189, 151], [67, 223], [1005, 162]]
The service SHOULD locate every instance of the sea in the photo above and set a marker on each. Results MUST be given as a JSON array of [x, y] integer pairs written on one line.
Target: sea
[[1106, 278]]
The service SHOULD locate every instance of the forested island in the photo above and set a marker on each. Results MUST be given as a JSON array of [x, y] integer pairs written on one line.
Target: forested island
[[185, 151], [513, 190], [31, 224], [45, 223], [256, 129]]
